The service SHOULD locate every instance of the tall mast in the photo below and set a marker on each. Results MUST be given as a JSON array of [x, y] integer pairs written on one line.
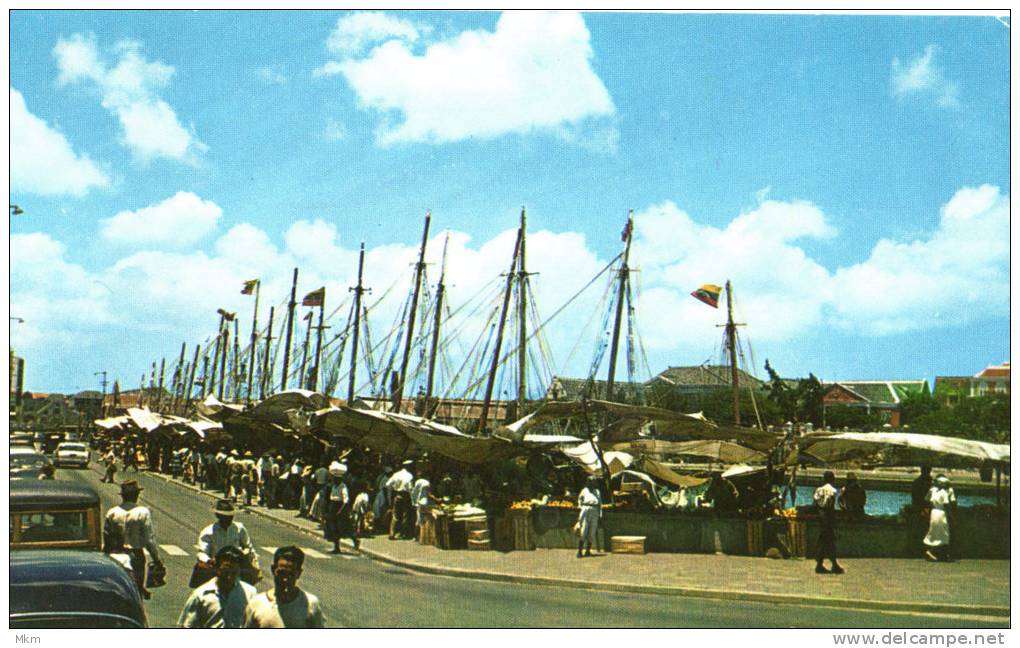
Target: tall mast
[[266, 382], [191, 379], [205, 375], [216, 355], [522, 321], [254, 338], [620, 296], [358, 290], [314, 381], [440, 290], [179, 375], [304, 353], [419, 269], [483, 419], [159, 392], [290, 331], [223, 362], [235, 368], [731, 341]]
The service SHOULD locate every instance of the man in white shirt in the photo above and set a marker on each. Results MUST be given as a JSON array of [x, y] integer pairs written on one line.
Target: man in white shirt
[[220, 602], [825, 501], [134, 524], [224, 532], [285, 605], [420, 499], [399, 488]]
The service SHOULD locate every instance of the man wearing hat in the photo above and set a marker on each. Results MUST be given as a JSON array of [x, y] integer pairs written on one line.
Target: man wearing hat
[[134, 524], [942, 500], [399, 488], [221, 601], [225, 532], [336, 512]]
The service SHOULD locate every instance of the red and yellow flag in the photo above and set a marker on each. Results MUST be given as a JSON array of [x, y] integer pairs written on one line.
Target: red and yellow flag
[[315, 298], [709, 294]]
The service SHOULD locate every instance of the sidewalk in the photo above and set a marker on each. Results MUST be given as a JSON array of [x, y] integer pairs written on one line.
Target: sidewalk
[[969, 588]]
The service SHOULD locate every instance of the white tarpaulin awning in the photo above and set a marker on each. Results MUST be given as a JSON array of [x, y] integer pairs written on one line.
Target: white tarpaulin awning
[[902, 449]]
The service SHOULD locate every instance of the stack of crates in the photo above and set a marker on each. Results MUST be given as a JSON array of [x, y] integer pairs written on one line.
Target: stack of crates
[[478, 533]]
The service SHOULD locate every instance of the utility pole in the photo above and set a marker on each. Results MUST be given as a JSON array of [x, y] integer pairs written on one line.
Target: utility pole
[[290, 330], [419, 270], [483, 419], [103, 384], [620, 296], [358, 290]]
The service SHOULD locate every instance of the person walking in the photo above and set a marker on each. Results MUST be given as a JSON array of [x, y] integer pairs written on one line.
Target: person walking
[[336, 509], [399, 488], [220, 602], [359, 512], [420, 500], [134, 524], [942, 500], [110, 459], [285, 605], [825, 501], [590, 501]]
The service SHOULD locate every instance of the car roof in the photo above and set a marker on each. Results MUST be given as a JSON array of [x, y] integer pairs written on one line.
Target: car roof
[[55, 581], [51, 493], [24, 450], [72, 443]]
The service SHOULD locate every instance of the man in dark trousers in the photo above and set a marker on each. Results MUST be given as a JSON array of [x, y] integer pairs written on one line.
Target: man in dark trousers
[[132, 523], [825, 502]]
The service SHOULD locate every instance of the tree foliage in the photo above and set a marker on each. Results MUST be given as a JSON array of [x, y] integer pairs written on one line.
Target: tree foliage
[[982, 418]]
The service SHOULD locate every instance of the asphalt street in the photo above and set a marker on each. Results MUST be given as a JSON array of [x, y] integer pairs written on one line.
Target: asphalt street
[[359, 592]]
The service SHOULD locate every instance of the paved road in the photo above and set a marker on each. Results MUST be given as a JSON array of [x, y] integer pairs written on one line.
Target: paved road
[[358, 592]]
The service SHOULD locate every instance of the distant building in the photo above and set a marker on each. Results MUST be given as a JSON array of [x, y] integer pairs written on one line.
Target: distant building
[[17, 379], [990, 381], [89, 404], [573, 389], [704, 379], [876, 396]]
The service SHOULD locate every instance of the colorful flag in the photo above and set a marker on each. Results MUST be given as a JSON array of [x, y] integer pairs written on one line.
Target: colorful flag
[[709, 293], [315, 298], [249, 286], [626, 230]]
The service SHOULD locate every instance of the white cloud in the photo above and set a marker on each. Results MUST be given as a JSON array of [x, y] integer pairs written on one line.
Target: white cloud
[[532, 73], [355, 32], [42, 160], [272, 74], [180, 220], [922, 76], [334, 131], [130, 90], [958, 274]]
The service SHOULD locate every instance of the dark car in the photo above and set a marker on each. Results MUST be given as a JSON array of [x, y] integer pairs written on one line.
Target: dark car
[[64, 589], [46, 513], [27, 463]]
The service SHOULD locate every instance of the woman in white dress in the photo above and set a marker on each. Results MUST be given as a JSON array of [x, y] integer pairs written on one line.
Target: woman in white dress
[[941, 499], [590, 501]]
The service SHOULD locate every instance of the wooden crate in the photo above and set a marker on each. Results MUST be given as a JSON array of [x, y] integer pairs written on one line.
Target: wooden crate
[[520, 524], [755, 538], [627, 544], [479, 545], [798, 537]]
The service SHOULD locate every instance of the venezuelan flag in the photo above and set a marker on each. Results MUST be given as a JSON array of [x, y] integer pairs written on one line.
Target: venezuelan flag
[[709, 293]]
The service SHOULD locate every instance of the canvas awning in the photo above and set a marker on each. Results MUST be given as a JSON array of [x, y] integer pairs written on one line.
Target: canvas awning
[[584, 455], [902, 449], [712, 449]]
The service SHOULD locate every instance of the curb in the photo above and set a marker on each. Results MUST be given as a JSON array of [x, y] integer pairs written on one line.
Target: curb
[[718, 594]]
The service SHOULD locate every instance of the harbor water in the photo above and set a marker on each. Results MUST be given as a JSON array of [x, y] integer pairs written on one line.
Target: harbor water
[[881, 502]]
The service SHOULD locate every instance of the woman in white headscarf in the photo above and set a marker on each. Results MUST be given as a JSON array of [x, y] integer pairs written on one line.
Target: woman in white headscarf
[[941, 499], [590, 501], [336, 513]]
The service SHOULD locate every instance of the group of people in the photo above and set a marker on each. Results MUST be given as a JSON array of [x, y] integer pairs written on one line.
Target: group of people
[[227, 558]]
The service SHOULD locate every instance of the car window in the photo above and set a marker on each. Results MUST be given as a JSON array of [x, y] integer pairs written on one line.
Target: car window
[[53, 527], [78, 447]]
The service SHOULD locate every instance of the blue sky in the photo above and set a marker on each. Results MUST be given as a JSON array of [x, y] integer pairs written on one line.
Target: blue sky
[[849, 173]]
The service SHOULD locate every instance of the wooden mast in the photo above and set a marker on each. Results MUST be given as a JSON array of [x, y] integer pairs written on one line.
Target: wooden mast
[[216, 355], [620, 296], [223, 363], [483, 419], [290, 331], [159, 389], [522, 320], [419, 270], [266, 381], [191, 379], [358, 291], [731, 342], [254, 339], [440, 290], [179, 375], [235, 367], [314, 380], [302, 383]]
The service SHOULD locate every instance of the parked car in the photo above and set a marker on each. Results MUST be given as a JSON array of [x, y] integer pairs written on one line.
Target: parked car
[[60, 589], [49, 514], [22, 439], [27, 463], [71, 454]]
